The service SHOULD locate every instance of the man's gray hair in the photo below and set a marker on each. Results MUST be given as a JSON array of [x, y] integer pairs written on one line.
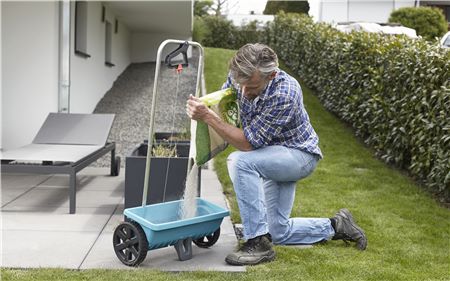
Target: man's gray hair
[[251, 58]]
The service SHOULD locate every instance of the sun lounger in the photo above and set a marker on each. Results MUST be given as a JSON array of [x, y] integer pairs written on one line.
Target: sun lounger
[[65, 144]]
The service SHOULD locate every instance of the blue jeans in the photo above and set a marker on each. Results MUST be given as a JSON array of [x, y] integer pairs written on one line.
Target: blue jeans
[[265, 180]]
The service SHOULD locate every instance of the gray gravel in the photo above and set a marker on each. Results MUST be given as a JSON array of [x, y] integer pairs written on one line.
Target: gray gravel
[[130, 100]]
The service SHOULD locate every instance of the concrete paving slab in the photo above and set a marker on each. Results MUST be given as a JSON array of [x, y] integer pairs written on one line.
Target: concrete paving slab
[[116, 218], [211, 189], [59, 197], [10, 181], [48, 219], [102, 171], [33, 248], [103, 182], [39, 198], [226, 227], [100, 181], [102, 254], [57, 181], [10, 194]]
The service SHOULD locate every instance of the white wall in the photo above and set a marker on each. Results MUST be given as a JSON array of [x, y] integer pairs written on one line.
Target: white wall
[[30, 38], [371, 11], [404, 3], [375, 11], [90, 77], [29, 68], [334, 11], [144, 46]]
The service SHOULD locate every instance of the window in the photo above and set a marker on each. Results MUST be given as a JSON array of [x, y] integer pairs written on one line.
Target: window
[[81, 29], [103, 13], [447, 14], [108, 43]]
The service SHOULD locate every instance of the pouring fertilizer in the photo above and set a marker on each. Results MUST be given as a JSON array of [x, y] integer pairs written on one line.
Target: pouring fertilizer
[[206, 143], [181, 222]]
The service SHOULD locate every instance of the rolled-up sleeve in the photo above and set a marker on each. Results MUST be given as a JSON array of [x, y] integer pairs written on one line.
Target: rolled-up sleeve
[[227, 83], [277, 113]]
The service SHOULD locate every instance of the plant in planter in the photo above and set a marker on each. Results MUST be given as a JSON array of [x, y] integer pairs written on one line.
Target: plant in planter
[[168, 169], [179, 139], [162, 150]]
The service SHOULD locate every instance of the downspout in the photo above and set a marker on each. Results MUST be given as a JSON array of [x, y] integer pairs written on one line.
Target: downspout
[[1, 92], [320, 10], [192, 20], [348, 11], [64, 57]]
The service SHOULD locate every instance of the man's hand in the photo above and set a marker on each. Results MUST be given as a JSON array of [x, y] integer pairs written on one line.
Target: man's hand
[[196, 110]]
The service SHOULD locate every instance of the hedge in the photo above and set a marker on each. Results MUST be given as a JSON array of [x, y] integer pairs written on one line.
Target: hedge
[[393, 90], [429, 22]]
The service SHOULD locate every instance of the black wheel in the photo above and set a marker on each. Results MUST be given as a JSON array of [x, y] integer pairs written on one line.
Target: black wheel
[[208, 241], [130, 243], [116, 169]]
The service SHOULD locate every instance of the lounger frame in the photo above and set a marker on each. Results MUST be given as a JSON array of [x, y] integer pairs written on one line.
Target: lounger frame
[[68, 168]]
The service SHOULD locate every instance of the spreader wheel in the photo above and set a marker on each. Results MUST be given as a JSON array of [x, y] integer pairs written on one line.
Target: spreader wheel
[[209, 240], [130, 243]]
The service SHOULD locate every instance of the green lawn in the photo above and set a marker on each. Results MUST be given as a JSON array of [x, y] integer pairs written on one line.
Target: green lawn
[[408, 232]]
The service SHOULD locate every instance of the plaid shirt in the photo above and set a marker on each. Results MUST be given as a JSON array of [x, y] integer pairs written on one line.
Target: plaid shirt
[[277, 116]]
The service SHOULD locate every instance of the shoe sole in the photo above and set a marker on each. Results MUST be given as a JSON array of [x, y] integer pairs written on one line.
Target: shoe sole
[[263, 259], [363, 244]]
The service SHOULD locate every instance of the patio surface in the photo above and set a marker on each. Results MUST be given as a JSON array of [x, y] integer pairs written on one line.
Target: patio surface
[[38, 231]]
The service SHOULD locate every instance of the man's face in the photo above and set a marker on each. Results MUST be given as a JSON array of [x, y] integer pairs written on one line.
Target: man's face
[[254, 87]]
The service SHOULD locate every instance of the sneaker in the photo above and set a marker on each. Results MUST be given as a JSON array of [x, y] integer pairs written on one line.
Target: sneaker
[[348, 230], [253, 251]]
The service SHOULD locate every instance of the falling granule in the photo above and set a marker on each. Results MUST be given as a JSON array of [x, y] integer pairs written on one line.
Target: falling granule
[[188, 207]]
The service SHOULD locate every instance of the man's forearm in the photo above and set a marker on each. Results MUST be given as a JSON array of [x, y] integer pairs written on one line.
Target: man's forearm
[[234, 136]]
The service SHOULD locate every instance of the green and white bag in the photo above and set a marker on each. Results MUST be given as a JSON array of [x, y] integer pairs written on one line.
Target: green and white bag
[[207, 142]]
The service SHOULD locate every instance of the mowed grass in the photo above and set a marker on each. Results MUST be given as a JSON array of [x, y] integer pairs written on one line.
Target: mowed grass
[[408, 232]]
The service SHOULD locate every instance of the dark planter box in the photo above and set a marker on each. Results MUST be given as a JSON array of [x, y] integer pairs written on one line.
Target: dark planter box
[[165, 136], [174, 169]]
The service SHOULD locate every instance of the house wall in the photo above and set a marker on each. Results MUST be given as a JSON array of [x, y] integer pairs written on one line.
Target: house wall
[[90, 77], [29, 68], [30, 39]]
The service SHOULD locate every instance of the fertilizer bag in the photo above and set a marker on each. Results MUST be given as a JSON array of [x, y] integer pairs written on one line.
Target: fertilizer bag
[[206, 141]]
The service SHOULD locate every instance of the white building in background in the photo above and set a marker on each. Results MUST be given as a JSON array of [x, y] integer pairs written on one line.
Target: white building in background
[[64, 56], [334, 11]]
